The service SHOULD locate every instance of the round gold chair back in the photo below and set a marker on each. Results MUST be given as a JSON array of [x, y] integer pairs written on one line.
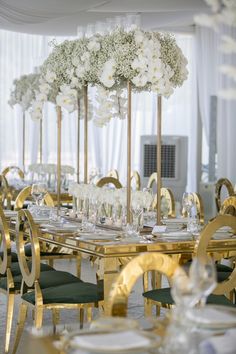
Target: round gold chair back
[[113, 173], [109, 180], [229, 206], [25, 224], [202, 244], [136, 177], [25, 194], [17, 169], [197, 199], [5, 193], [5, 260], [219, 184], [168, 194], [132, 271], [152, 180]]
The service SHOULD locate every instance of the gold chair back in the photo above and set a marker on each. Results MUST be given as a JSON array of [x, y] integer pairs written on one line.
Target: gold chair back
[[152, 180], [219, 184], [25, 194], [197, 199], [113, 173], [229, 206], [109, 180], [201, 248], [25, 223], [136, 177], [17, 169], [5, 260], [132, 271], [5, 193]]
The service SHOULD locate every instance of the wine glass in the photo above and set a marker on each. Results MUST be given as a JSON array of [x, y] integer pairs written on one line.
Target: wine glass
[[202, 273], [187, 202], [38, 192]]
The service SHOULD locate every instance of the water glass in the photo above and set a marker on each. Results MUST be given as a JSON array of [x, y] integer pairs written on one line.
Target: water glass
[[38, 192], [202, 273]]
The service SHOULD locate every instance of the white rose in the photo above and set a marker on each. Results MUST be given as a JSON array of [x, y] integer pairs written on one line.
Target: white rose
[[75, 82], [66, 102], [85, 57], [93, 46], [50, 76], [80, 71]]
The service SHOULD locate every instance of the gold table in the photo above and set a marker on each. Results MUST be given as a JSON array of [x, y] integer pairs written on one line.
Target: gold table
[[111, 251]]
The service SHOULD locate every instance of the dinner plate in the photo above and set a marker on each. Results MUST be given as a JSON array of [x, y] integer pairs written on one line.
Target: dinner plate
[[10, 213], [213, 317], [178, 235], [131, 341]]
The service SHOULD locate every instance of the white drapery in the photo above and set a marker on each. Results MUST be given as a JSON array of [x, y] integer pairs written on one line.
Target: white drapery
[[107, 146], [210, 82]]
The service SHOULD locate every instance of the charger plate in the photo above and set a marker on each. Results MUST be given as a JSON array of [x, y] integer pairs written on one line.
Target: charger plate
[[131, 341], [213, 317]]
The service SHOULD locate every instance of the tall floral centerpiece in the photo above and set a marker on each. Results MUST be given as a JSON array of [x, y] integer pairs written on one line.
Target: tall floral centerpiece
[[23, 93], [141, 60]]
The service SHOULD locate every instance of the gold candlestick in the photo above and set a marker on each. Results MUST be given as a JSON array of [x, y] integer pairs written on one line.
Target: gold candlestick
[[85, 134], [23, 141], [78, 140], [129, 126], [41, 140], [159, 111], [59, 116]]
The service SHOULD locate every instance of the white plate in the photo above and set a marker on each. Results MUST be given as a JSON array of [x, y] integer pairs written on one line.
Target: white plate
[[214, 316], [10, 213], [178, 235], [130, 341]]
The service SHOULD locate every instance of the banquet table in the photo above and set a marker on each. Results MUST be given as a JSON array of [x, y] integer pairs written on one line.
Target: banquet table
[[112, 250]]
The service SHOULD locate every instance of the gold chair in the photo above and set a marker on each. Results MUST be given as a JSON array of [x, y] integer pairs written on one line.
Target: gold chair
[[69, 292], [5, 193], [109, 180], [15, 169], [226, 277], [131, 272], [228, 280], [10, 280], [136, 177], [219, 184], [113, 173], [25, 194], [229, 206]]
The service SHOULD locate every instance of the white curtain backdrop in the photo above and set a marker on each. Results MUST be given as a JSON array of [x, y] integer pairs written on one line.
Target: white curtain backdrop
[[20, 53], [210, 81]]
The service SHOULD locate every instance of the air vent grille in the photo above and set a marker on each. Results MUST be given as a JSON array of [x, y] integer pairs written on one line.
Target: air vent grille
[[168, 160]]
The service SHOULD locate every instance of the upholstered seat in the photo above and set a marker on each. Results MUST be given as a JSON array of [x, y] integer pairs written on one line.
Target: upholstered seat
[[163, 296], [75, 293], [15, 268], [47, 279]]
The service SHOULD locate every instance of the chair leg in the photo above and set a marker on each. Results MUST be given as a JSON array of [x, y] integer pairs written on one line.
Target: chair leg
[[89, 314], [55, 319], [38, 320], [10, 308], [147, 308], [78, 266], [81, 317], [20, 326], [50, 262]]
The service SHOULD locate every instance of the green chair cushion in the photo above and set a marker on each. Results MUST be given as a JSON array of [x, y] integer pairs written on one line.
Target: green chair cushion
[[47, 279], [75, 293], [14, 257], [15, 268], [164, 296], [221, 276]]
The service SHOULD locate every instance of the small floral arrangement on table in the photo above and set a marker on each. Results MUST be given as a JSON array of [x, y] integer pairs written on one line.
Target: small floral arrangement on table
[[24, 91], [223, 13], [149, 60]]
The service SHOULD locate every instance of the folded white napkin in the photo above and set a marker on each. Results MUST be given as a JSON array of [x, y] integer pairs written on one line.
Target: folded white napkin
[[112, 341], [225, 344]]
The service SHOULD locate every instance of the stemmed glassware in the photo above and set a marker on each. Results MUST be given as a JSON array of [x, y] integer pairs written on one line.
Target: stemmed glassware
[[187, 203], [38, 192]]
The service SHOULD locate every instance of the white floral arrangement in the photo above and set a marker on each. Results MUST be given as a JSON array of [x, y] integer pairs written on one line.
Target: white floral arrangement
[[24, 91], [50, 168], [149, 60], [224, 13]]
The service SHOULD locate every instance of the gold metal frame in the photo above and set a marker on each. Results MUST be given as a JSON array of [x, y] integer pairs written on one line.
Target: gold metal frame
[[131, 272], [219, 184], [159, 184], [31, 279], [41, 140], [78, 139], [129, 145], [23, 140], [5, 270], [109, 180], [5, 192], [86, 134], [6, 170], [197, 199], [136, 176], [113, 173], [59, 118], [25, 193], [229, 206], [201, 249]]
